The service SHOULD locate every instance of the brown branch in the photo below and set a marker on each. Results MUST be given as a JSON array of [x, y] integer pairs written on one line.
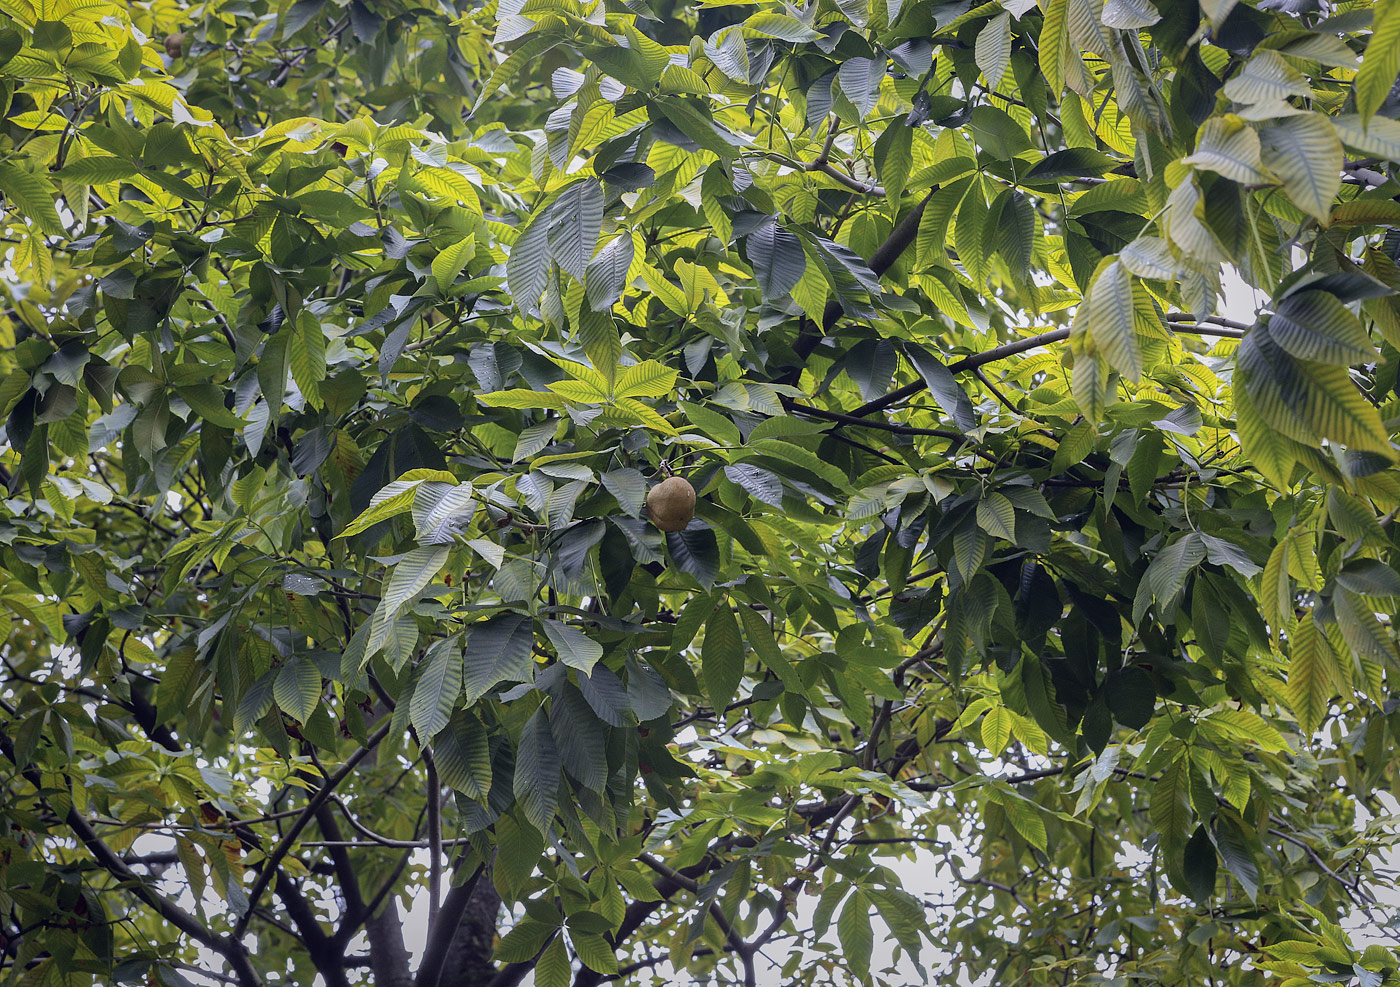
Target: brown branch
[[434, 839]]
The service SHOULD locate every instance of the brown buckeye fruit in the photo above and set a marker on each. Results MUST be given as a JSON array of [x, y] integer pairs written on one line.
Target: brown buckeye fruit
[[671, 503]]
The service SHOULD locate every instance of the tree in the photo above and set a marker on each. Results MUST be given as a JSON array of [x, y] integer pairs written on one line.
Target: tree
[[1035, 369]]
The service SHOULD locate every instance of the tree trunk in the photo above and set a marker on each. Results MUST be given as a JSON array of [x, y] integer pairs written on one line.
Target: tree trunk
[[469, 956]]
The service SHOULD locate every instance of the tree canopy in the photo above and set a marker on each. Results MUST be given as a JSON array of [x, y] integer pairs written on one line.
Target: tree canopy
[[1035, 368]]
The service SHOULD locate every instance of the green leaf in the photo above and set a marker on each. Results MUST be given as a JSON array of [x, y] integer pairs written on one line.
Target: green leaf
[[1170, 809], [575, 221], [996, 729], [1166, 577], [97, 170], [769, 24], [1131, 697], [992, 50], [463, 756], [553, 969], [409, 577], [1312, 676], [1238, 855], [576, 649], [854, 931], [1305, 152], [860, 81], [1107, 314], [722, 656], [1230, 147], [1054, 45], [1379, 135], [605, 277], [439, 688], [298, 689], [699, 127], [595, 953], [536, 782], [498, 650], [1026, 820], [527, 267], [777, 258], [451, 261], [1249, 727], [441, 510], [1014, 225], [997, 516], [760, 637], [1314, 325], [580, 739], [943, 386], [1149, 257], [1199, 865], [1370, 577], [1071, 162], [1128, 15], [1381, 63], [31, 195], [761, 484], [647, 379], [1266, 78]]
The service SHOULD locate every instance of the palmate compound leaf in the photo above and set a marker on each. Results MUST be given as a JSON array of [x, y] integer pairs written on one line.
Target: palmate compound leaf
[[304, 216]]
